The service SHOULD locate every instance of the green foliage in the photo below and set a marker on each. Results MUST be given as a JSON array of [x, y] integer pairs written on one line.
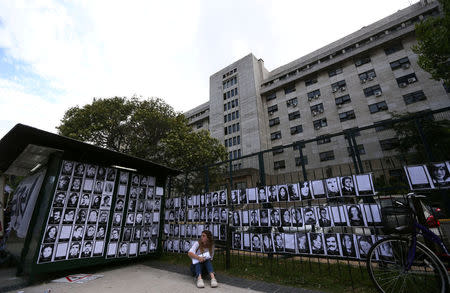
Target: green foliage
[[433, 48], [436, 133], [147, 128]]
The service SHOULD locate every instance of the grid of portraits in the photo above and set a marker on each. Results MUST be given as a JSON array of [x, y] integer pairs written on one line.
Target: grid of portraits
[[310, 243], [432, 176], [353, 215], [136, 218], [345, 186], [194, 230], [78, 219]]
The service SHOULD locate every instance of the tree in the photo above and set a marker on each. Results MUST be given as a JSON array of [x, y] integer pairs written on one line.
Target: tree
[[436, 134], [148, 129], [433, 48]]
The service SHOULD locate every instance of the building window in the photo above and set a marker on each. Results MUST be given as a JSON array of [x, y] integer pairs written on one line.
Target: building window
[[368, 75], [277, 150], [339, 86], [407, 79], [323, 139], [238, 139], [383, 125], [233, 115], [377, 107], [226, 143], [230, 142], [326, 156], [271, 97], [225, 130], [373, 90], [289, 89], [298, 162], [234, 128], [400, 63], [349, 115], [296, 129], [225, 107], [235, 154], [292, 102], [317, 109], [389, 144], [361, 150], [274, 121], [310, 81], [230, 82], [414, 97], [232, 104], [236, 102], [335, 72], [225, 119], [234, 140], [313, 95], [237, 114], [237, 127], [272, 109], [320, 123], [294, 115], [393, 48], [279, 165], [342, 100], [229, 129], [275, 135], [362, 61]]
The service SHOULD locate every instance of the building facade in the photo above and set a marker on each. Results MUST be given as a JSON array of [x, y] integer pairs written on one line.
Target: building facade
[[357, 81]]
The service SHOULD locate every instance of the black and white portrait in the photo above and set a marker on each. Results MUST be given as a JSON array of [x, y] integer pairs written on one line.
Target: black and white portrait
[[51, 234], [103, 217], [143, 247], [293, 192], [111, 174], [130, 219], [55, 216], [123, 177], [347, 186], [215, 199], [100, 234], [278, 241], [267, 243], [256, 242], [98, 187], [316, 240], [305, 190], [87, 249], [73, 200], [81, 216], [234, 197], [96, 201], [285, 217], [254, 217], [348, 245], [74, 250], [79, 170], [272, 193], [264, 217], [93, 216], [332, 186], [302, 243], [127, 232], [440, 175], [282, 193], [323, 215], [90, 171], [243, 196], [46, 253], [60, 199], [418, 177], [355, 217], [119, 205], [318, 188], [364, 244], [123, 248], [262, 195], [106, 202], [296, 217], [101, 173], [115, 233], [63, 183], [109, 187], [236, 220], [117, 219], [309, 217], [222, 197], [76, 184], [77, 233], [69, 216], [237, 240], [275, 218], [385, 250], [67, 168], [332, 244], [85, 199]]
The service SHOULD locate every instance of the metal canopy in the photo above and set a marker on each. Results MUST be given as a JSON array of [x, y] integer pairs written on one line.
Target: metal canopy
[[23, 147]]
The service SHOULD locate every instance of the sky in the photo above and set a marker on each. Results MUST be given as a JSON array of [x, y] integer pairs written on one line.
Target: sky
[[55, 55]]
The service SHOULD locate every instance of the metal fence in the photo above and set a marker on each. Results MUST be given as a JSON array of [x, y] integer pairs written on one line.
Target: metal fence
[[361, 152]]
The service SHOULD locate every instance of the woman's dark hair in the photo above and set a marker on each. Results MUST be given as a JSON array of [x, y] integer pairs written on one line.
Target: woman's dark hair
[[209, 244]]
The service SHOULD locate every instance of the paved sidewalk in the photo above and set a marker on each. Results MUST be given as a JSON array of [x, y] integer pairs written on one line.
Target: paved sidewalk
[[155, 276]]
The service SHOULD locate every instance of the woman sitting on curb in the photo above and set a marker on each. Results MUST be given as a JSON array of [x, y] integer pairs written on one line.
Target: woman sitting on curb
[[202, 253]]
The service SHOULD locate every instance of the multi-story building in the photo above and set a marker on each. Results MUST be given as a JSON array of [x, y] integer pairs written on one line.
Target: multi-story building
[[356, 81]]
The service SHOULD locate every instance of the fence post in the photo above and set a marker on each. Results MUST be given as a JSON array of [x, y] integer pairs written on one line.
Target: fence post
[[206, 179], [358, 157], [262, 173], [228, 242], [424, 140], [302, 161], [352, 150]]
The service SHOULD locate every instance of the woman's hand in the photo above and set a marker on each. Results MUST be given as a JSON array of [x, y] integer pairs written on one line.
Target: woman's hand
[[201, 259]]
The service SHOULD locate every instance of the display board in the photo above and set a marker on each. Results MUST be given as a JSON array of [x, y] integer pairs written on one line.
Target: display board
[[432, 176], [82, 212]]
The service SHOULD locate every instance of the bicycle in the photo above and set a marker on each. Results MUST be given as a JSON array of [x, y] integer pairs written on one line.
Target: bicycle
[[404, 264]]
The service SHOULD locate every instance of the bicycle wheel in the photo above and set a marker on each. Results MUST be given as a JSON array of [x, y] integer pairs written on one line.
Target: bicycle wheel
[[387, 267]]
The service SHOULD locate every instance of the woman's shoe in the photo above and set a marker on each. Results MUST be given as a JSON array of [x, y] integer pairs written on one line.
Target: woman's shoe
[[201, 284], [213, 283]]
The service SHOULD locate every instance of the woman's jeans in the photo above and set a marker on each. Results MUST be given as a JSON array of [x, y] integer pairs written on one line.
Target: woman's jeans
[[202, 266]]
